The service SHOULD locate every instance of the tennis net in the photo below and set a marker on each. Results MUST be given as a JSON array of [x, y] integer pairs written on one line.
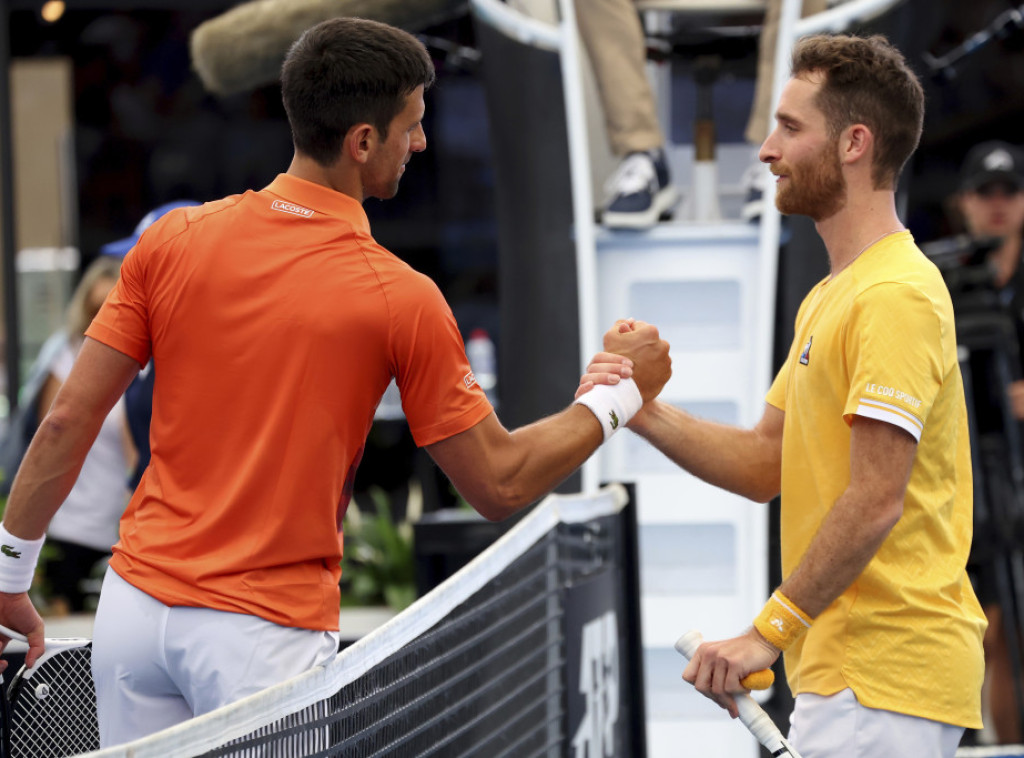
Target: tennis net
[[527, 651]]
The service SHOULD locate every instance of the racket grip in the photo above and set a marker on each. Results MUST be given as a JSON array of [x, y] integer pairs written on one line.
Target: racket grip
[[756, 680], [759, 723], [13, 635], [753, 717]]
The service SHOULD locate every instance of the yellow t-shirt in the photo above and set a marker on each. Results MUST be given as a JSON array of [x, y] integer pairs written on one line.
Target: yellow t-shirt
[[878, 341]]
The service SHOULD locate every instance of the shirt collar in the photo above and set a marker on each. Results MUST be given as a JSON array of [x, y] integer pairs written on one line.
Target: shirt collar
[[321, 199]]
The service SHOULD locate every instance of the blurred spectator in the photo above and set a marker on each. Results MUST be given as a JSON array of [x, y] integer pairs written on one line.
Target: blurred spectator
[[991, 205], [84, 529], [86, 526]]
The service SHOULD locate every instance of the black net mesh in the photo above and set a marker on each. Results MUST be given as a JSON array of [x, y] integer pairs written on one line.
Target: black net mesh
[[488, 680]]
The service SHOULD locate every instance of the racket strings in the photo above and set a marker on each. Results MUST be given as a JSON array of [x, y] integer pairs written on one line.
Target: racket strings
[[53, 712]]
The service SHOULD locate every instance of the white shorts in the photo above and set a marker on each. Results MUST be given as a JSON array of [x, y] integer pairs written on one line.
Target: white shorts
[[838, 726], [155, 666]]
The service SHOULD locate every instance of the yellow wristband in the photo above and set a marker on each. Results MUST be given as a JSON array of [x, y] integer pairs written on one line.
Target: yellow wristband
[[781, 622]]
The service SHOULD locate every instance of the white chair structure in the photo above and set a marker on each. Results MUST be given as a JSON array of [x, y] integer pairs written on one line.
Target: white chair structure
[[710, 286]]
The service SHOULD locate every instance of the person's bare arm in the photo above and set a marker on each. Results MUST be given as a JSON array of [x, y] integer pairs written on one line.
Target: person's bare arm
[[54, 458], [1015, 391], [47, 394], [881, 460], [499, 472], [99, 377], [745, 461]]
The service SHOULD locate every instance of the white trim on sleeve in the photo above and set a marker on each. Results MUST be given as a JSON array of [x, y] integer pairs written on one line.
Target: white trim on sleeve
[[892, 414]]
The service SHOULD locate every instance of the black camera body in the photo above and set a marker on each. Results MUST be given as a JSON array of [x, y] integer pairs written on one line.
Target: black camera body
[[969, 276], [988, 337]]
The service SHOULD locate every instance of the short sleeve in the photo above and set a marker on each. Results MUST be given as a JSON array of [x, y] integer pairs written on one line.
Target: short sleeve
[[440, 396], [776, 396], [123, 321], [893, 350]]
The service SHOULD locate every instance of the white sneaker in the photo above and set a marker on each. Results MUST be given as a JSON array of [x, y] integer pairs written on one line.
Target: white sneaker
[[639, 192], [754, 180]]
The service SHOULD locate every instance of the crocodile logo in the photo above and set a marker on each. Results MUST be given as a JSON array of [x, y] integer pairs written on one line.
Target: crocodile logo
[[9, 551], [615, 420]]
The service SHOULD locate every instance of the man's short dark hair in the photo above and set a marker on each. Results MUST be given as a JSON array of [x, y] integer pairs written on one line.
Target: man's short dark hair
[[867, 81], [348, 71]]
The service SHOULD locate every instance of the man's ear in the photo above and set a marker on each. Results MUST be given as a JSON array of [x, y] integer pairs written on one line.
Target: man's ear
[[855, 143], [360, 142]]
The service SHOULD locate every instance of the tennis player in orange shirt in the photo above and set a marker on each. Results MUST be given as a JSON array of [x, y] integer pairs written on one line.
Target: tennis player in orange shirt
[[275, 323]]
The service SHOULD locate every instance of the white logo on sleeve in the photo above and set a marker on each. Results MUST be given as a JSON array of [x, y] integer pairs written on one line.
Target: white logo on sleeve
[[880, 390]]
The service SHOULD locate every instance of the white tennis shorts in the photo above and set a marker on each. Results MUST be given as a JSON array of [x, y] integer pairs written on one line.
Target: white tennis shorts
[[838, 726], [155, 666]]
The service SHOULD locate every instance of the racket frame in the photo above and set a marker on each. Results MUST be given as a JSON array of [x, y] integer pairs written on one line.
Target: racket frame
[[22, 678]]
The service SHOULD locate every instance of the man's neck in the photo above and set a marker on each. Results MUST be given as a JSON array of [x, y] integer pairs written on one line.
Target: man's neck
[[862, 222], [336, 177]]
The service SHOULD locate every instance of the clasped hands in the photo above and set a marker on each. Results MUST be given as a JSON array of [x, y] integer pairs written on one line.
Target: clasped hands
[[632, 349]]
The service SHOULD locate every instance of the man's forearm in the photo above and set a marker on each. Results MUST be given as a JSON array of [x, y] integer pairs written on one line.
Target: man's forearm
[[846, 542], [51, 465], [46, 476], [549, 451], [881, 460], [499, 472], [744, 461]]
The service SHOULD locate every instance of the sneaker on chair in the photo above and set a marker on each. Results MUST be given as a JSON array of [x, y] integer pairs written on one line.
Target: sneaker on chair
[[639, 191], [753, 181]]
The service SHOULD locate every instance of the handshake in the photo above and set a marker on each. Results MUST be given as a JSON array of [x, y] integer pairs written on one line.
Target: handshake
[[631, 371]]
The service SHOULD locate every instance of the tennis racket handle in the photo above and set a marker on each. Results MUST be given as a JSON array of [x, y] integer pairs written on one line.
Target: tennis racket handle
[[756, 720], [760, 724], [756, 680], [10, 633]]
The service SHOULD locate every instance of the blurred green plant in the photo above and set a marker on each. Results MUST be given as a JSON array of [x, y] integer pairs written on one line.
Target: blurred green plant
[[378, 566]]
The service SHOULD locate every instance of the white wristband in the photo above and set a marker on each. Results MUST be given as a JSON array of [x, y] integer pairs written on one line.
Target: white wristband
[[18, 559], [613, 404]]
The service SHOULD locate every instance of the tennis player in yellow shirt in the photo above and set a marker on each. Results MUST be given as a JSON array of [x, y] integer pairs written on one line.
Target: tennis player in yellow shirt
[[865, 434]]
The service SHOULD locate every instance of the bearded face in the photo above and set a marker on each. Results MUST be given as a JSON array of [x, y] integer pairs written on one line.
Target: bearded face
[[813, 186]]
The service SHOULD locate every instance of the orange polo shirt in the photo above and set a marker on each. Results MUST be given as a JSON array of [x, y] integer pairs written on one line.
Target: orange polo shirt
[[275, 323]]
